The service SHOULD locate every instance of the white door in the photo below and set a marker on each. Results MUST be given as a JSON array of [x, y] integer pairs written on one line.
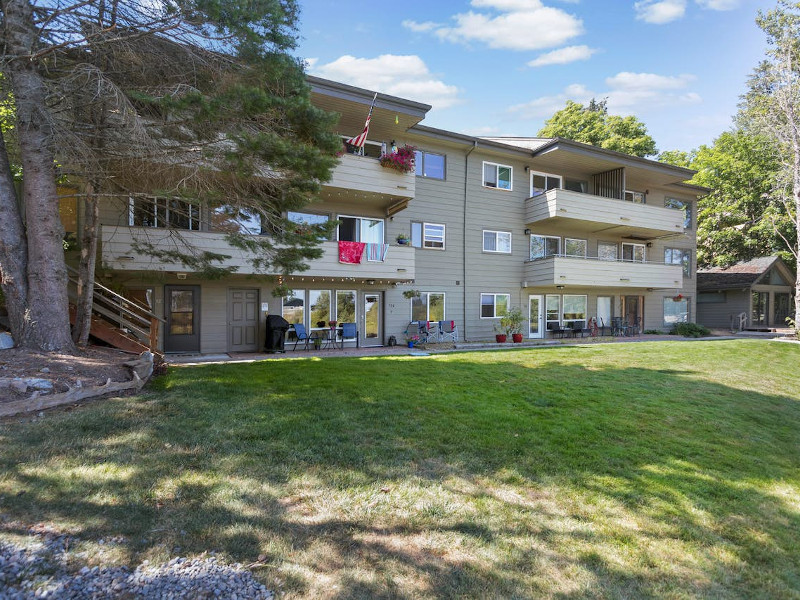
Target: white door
[[535, 317], [372, 320]]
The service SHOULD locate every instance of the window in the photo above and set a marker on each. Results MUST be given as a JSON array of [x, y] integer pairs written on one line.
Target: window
[[497, 241], [497, 176], [552, 306], [543, 246], [294, 306], [633, 252], [635, 197], [576, 185], [676, 256], [575, 247], [428, 306], [607, 251], [163, 212], [676, 310], [319, 307], [429, 165], [360, 229], [427, 235], [494, 305], [346, 306], [541, 182], [686, 207], [712, 297], [575, 310], [230, 219]]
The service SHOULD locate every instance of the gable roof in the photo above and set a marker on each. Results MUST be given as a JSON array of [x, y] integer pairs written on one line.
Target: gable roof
[[739, 275]]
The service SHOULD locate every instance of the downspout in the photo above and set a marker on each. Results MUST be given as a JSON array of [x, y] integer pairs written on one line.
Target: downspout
[[464, 240]]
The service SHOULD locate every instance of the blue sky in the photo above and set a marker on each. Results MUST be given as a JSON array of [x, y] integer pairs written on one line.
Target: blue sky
[[502, 67]]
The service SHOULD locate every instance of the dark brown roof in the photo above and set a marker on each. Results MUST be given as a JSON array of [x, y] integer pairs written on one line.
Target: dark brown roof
[[739, 275]]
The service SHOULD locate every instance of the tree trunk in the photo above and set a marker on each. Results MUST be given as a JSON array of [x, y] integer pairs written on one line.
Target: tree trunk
[[13, 252], [47, 275], [86, 268], [796, 194]]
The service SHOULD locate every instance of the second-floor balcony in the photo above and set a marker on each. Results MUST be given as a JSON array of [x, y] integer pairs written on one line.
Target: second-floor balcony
[[118, 243], [363, 179], [563, 270], [578, 212]]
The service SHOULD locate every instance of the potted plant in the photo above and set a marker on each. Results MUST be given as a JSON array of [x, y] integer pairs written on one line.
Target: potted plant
[[403, 239], [411, 340], [409, 294], [499, 335], [511, 322]]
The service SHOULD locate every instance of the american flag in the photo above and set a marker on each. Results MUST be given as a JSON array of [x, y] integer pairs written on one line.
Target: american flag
[[358, 141]]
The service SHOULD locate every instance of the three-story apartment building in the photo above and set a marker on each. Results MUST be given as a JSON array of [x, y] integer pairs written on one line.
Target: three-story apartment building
[[563, 230]]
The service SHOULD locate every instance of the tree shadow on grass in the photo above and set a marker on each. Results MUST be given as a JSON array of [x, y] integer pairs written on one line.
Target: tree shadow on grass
[[500, 476]]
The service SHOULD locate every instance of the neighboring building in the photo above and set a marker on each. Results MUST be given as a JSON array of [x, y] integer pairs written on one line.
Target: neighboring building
[[760, 288], [564, 230]]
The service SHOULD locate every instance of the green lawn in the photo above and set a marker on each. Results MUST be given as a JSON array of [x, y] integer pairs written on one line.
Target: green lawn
[[638, 470]]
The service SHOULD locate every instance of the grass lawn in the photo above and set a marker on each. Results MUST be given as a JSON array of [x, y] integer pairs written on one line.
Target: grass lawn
[[667, 469]]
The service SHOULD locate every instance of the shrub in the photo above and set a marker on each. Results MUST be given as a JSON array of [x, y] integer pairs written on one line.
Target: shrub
[[691, 330], [653, 332]]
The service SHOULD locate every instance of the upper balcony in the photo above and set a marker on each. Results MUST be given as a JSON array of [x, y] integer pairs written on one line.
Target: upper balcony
[[580, 212], [362, 178], [117, 253], [593, 272]]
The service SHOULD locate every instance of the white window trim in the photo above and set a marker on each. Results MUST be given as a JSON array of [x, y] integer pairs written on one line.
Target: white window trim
[[496, 231], [552, 237], [495, 294], [361, 218], [335, 307], [586, 307], [644, 252], [560, 309], [633, 193], [546, 175], [428, 304], [444, 165], [497, 176], [585, 247], [425, 238]]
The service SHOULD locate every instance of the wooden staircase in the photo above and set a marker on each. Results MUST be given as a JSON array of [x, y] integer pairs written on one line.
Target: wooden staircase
[[118, 321]]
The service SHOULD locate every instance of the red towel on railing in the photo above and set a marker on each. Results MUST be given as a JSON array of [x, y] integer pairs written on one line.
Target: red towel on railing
[[351, 252]]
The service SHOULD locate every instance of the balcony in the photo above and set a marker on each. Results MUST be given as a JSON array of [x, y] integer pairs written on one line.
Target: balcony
[[118, 254], [364, 179], [565, 209], [593, 272]]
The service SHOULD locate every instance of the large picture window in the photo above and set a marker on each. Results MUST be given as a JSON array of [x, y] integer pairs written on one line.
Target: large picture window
[[494, 305], [497, 176], [552, 307], [574, 310], [428, 306], [497, 241], [683, 205], [429, 164], [542, 182], [145, 211], [575, 247], [294, 306], [607, 251], [676, 310], [346, 306], [319, 307], [543, 246], [678, 256]]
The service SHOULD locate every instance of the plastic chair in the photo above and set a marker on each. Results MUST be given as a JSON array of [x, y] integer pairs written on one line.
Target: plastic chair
[[448, 331], [301, 335], [349, 333]]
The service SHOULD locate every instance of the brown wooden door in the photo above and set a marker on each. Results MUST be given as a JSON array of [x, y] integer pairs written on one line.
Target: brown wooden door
[[243, 320]]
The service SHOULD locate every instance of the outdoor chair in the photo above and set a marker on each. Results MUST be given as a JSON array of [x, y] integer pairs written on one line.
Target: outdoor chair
[[617, 329], [633, 329], [349, 333], [577, 330], [556, 330], [448, 331], [301, 335]]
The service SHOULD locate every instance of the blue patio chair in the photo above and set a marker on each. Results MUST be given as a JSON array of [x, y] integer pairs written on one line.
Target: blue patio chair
[[349, 333], [301, 335]]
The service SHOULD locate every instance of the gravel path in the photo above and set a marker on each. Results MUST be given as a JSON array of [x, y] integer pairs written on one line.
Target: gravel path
[[38, 569]]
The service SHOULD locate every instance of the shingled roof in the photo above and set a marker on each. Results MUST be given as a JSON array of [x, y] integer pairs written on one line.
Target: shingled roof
[[739, 275]]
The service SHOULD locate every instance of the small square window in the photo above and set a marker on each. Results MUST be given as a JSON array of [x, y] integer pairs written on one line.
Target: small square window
[[497, 176], [497, 241]]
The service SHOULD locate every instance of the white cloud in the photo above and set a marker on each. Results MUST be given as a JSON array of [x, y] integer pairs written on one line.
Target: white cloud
[[719, 4], [507, 24], [627, 93], [659, 12], [419, 27], [405, 76], [563, 56]]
